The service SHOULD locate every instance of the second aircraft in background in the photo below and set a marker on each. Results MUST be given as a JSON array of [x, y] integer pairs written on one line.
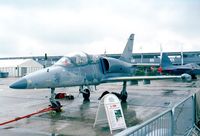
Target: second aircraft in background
[[167, 67]]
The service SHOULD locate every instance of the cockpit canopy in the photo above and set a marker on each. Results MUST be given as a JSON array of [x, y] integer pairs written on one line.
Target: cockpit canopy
[[77, 59]]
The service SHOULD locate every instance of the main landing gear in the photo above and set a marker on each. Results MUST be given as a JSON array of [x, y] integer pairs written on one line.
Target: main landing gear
[[85, 92], [54, 104], [124, 94]]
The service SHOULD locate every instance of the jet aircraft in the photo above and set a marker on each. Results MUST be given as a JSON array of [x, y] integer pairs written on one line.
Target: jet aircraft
[[166, 66], [86, 70]]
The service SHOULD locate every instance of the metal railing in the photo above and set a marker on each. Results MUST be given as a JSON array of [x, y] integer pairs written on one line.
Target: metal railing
[[177, 121]]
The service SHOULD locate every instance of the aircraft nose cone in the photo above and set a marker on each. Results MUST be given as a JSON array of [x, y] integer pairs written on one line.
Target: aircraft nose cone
[[20, 84]]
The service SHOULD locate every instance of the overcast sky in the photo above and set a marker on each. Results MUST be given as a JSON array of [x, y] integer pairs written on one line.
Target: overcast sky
[[58, 27]]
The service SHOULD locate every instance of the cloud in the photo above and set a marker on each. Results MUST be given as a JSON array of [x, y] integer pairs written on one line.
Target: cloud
[[59, 27]]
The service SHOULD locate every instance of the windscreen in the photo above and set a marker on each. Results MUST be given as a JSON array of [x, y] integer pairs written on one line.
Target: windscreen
[[64, 61]]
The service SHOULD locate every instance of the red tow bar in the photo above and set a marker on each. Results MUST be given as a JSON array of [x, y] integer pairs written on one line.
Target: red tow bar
[[28, 116]]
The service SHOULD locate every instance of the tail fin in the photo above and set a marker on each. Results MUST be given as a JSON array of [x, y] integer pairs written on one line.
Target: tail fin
[[127, 53], [165, 61]]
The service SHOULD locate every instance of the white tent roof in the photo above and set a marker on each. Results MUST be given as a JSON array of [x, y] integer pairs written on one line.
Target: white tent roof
[[19, 63]]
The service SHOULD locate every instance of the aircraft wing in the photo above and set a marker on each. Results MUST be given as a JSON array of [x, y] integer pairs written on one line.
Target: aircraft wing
[[146, 64], [137, 78]]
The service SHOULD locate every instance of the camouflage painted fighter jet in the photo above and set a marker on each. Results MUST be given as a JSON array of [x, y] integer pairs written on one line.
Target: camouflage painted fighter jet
[[86, 70]]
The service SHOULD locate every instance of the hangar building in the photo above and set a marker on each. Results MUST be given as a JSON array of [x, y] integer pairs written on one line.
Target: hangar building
[[188, 57], [19, 67]]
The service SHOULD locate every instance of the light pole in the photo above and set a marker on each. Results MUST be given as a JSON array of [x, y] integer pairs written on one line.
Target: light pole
[[141, 60], [181, 54]]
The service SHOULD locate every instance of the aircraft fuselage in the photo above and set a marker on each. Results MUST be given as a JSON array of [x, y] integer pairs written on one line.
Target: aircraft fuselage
[[178, 70], [67, 76]]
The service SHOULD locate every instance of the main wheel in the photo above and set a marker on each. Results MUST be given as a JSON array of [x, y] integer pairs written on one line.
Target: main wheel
[[86, 95], [124, 97]]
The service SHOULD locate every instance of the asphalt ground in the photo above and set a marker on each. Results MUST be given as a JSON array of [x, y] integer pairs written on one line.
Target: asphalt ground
[[78, 116]]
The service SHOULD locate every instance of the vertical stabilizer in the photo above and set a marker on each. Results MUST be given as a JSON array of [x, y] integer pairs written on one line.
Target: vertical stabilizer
[[165, 61], [127, 53]]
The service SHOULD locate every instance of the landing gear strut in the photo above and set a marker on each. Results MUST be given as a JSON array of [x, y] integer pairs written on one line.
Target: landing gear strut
[[54, 104], [124, 93]]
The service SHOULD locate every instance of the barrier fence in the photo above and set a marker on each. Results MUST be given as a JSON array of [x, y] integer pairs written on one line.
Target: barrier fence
[[177, 121]]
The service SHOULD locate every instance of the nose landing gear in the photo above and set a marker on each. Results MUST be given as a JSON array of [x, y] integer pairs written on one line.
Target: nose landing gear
[[54, 104]]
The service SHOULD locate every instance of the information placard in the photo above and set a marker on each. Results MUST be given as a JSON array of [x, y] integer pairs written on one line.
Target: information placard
[[110, 107]]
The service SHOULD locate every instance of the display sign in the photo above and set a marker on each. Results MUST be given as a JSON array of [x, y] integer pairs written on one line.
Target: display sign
[[110, 111]]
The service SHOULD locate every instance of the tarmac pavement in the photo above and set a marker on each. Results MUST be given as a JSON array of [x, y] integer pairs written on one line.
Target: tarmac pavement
[[78, 116]]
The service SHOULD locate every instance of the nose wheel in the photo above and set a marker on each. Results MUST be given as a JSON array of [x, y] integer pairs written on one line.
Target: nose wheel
[[55, 104]]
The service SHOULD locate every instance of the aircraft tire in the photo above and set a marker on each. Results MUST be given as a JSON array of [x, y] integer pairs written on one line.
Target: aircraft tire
[[124, 97], [57, 106], [86, 96]]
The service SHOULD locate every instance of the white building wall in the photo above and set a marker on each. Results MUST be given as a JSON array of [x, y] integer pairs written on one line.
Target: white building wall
[[25, 67], [18, 71]]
